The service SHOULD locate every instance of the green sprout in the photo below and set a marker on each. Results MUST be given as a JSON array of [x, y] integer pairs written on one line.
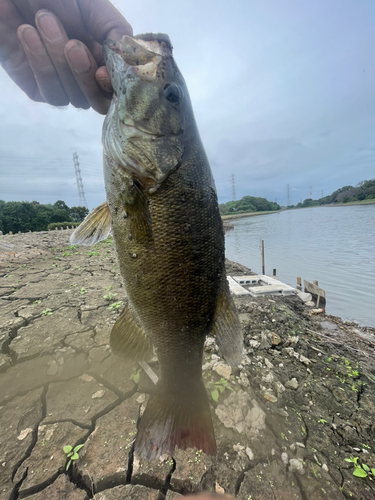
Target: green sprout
[[217, 388], [71, 454], [115, 305], [136, 373], [109, 296], [361, 470], [47, 312], [83, 291]]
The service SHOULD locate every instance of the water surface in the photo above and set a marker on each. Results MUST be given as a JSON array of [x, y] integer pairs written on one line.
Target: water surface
[[334, 245]]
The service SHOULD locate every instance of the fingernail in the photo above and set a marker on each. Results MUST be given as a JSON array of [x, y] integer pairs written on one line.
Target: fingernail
[[50, 27], [79, 59], [32, 40]]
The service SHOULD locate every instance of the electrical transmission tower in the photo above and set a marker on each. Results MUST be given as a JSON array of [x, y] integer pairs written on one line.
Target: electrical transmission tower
[[310, 192], [233, 184], [287, 196], [81, 193]]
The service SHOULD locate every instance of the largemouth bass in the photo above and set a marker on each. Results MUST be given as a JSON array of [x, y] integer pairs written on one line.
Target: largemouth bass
[[163, 212]]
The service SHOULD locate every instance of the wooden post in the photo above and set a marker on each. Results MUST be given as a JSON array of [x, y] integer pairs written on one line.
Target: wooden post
[[299, 283], [274, 272], [263, 266]]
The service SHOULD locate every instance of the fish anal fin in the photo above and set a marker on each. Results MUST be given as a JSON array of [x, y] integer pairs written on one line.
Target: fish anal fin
[[179, 419], [96, 227], [128, 338], [226, 327]]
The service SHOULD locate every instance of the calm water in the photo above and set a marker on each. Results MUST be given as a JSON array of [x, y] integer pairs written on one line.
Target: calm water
[[334, 245]]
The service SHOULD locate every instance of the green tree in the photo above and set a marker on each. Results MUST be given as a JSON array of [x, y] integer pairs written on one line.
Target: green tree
[[78, 213]]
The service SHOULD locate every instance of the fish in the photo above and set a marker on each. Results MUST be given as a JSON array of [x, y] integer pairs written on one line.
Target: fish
[[162, 210]]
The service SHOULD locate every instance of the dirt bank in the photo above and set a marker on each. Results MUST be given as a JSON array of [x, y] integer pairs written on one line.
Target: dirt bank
[[301, 403]]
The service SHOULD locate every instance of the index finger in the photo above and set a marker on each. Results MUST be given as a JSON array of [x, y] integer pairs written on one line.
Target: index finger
[[12, 56], [82, 19]]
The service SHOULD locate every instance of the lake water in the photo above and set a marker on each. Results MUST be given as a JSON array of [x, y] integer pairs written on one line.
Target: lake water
[[334, 245]]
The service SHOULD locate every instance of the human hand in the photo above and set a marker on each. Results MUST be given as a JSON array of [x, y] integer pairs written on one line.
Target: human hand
[[57, 57]]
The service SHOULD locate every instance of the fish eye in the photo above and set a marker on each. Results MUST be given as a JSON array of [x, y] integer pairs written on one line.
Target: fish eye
[[172, 92]]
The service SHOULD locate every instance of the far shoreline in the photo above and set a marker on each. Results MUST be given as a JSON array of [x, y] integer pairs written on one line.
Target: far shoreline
[[252, 214]]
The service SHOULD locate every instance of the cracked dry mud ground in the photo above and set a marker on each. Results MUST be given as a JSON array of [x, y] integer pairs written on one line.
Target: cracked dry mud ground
[[302, 401]]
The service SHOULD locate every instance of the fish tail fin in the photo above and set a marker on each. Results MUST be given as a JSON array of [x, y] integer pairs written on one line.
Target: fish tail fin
[[171, 419]]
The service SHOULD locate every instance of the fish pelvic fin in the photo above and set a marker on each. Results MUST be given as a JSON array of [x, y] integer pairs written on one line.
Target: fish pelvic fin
[[128, 338], [96, 227], [171, 419], [226, 328]]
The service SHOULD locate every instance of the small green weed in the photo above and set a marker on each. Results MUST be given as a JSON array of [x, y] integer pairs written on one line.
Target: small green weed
[[115, 306], [47, 312], [83, 291], [109, 296], [136, 373], [217, 388], [361, 470], [71, 454]]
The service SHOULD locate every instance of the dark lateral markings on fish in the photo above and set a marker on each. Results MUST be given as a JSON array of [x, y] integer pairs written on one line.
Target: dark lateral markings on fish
[[163, 213]]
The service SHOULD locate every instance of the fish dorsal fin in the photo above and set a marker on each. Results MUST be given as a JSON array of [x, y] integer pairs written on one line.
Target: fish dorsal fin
[[128, 338], [96, 227], [226, 327]]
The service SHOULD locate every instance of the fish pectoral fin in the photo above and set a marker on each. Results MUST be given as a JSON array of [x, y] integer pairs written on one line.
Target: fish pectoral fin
[[128, 338], [96, 227], [138, 215], [226, 328]]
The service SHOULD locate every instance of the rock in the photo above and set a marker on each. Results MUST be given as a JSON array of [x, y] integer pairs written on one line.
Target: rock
[[268, 482], [152, 473], [17, 418], [130, 492], [284, 458], [172, 494], [292, 384], [270, 396], [306, 297], [47, 459], [304, 360], [268, 378], [104, 459], [265, 342], [278, 387], [296, 465], [5, 362], [268, 363], [60, 489], [223, 370], [242, 413], [73, 401], [244, 381], [192, 467]]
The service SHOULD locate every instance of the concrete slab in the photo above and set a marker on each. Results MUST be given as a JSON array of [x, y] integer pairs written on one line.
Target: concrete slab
[[235, 288]]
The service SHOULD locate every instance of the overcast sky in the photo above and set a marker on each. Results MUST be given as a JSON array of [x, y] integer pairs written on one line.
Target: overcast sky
[[283, 92]]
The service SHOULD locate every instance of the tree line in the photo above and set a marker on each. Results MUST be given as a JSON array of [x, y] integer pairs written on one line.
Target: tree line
[[248, 204], [364, 190], [34, 216]]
